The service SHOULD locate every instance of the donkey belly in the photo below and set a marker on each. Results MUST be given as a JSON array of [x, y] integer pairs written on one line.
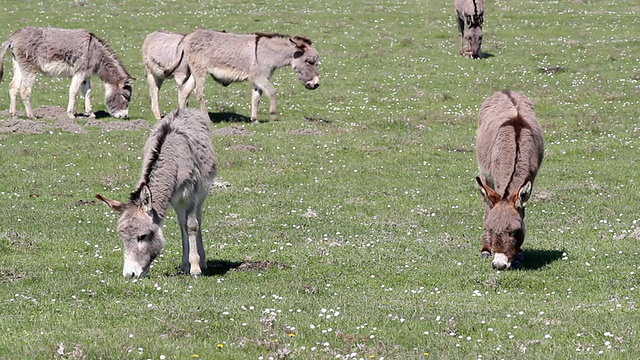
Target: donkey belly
[[57, 69], [228, 76]]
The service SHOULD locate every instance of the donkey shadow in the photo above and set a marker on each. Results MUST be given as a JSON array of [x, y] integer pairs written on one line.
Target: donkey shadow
[[222, 267], [228, 117], [537, 259]]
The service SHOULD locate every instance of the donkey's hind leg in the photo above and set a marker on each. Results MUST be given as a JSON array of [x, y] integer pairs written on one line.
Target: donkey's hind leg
[[14, 88]]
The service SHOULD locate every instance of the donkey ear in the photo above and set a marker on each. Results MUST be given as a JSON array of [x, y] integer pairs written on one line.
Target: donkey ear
[[523, 195], [299, 42], [113, 204], [488, 194], [145, 199]]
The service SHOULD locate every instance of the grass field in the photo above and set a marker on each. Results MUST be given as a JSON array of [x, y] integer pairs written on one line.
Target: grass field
[[350, 227]]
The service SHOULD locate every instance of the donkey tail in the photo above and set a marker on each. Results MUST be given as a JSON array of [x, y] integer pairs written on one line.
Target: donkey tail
[[3, 51], [168, 72]]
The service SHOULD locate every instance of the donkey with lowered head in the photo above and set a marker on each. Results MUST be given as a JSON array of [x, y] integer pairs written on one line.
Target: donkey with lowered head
[[470, 14], [179, 167], [163, 56], [509, 150], [78, 54], [254, 57]]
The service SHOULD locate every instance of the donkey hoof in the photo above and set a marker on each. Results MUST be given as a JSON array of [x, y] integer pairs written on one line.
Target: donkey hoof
[[519, 257], [485, 254], [516, 264]]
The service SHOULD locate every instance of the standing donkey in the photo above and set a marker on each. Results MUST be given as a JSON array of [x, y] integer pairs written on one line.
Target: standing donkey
[[163, 56], [470, 15], [254, 57], [509, 150], [78, 54], [179, 166]]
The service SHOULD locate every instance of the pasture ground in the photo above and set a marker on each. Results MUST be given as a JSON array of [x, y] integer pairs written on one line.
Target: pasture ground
[[348, 229]]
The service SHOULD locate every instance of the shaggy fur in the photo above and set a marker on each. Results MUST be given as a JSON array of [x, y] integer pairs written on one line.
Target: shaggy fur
[[229, 58], [179, 167], [78, 54], [470, 14], [509, 151]]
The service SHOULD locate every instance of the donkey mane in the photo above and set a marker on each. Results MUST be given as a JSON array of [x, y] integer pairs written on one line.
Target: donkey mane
[[112, 69], [164, 130]]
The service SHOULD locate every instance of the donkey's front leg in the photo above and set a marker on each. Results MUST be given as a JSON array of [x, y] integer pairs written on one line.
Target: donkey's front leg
[[256, 94], [86, 93], [76, 82]]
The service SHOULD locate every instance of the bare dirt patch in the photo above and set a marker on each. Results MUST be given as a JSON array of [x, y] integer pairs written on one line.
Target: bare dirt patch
[[62, 122], [19, 126], [232, 130], [241, 147], [137, 124], [314, 132]]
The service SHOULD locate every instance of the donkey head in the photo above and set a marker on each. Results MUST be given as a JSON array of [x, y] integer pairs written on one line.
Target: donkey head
[[505, 223], [118, 97], [141, 231], [305, 62], [474, 39]]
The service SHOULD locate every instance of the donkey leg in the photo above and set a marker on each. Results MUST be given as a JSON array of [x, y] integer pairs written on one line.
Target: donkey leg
[[14, 88], [256, 94], [185, 87], [199, 89], [181, 214], [200, 245], [154, 86], [485, 252], [461, 34], [270, 91], [76, 82], [26, 85], [195, 246], [86, 93]]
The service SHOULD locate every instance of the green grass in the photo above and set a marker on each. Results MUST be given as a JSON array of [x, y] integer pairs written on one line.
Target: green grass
[[389, 266]]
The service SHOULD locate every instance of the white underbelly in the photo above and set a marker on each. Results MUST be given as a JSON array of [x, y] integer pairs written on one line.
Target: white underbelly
[[57, 69]]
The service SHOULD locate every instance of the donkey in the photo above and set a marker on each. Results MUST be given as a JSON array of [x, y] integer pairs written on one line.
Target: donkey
[[163, 56], [179, 167], [509, 151], [254, 57], [470, 18], [78, 54]]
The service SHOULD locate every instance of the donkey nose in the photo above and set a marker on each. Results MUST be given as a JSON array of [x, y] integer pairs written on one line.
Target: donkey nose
[[500, 262]]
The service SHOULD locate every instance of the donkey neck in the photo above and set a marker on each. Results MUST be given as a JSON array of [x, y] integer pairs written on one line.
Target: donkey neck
[[275, 52]]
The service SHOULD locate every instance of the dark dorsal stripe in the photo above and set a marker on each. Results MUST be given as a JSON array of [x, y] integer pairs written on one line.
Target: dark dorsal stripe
[[517, 123]]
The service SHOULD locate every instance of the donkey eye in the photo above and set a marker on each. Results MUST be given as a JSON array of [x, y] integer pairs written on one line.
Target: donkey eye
[[310, 62], [142, 237]]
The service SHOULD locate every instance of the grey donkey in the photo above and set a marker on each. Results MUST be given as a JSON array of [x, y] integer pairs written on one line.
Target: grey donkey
[[229, 58], [78, 54], [470, 14], [179, 167], [163, 57], [509, 150]]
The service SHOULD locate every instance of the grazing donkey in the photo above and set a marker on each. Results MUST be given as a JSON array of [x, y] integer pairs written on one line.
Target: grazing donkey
[[254, 57], [470, 18], [163, 56], [78, 54], [178, 168], [509, 150]]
